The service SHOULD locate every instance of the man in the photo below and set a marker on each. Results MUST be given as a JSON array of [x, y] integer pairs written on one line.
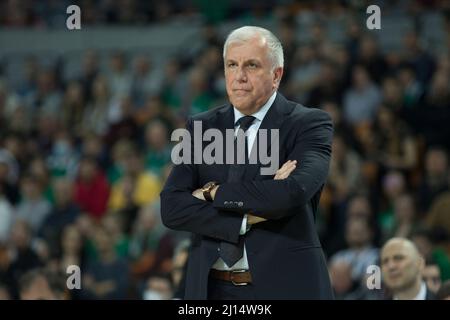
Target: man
[[402, 267], [431, 274], [254, 234]]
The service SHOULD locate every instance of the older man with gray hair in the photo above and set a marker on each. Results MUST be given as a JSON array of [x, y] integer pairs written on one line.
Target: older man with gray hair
[[254, 233]]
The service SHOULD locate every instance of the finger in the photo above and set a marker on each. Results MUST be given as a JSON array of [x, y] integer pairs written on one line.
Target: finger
[[284, 167], [286, 173]]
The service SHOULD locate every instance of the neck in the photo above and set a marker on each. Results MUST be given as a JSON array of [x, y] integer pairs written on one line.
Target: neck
[[411, 292]]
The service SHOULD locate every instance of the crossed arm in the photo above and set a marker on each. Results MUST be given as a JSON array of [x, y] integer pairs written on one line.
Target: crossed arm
[[281, 174], [294, 186]]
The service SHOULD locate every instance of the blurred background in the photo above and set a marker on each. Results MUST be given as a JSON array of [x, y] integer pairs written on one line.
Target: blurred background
[[86, 117]]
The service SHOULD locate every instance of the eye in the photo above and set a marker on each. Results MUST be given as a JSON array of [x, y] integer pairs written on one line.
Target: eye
[[252, 65], [231, 64]]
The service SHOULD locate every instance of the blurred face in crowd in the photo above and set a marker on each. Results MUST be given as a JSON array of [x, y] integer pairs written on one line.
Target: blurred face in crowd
[[341, 276], [393, 184], [71, 240], [431, 274], [88, 169], [158, 289], [404, 208], [62, 189], [20, 234], [401, 265], [360, 77], [156, 135], [436, 163], [358, 233], [39, 289], [249, 74], [359, 207]]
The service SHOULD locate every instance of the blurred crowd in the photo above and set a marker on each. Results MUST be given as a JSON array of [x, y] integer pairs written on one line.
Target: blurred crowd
[[82, 160]]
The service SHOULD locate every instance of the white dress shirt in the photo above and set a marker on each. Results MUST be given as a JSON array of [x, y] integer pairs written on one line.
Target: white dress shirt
[[251, 136], [422, 295]]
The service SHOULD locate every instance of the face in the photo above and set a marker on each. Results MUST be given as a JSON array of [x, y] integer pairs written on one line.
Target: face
[[400, 266], [250, 80], [432, 276]]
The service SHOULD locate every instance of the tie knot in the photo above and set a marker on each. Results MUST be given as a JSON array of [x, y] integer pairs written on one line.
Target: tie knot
[[245, 122]]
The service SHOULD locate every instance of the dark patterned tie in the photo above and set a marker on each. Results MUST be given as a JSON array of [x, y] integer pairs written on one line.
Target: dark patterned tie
[[230, 252]]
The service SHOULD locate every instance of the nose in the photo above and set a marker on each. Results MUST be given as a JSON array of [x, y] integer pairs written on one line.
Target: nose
[[241, 76]]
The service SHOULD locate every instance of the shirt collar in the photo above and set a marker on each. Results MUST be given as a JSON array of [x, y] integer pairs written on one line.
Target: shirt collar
[[422, 295], [261, 113]]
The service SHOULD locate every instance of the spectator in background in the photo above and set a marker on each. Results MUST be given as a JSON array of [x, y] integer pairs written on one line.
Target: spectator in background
[[35, 285], [33, 207], [179, 266], [413, 90], [431, 274], [151, 246], [47, 98], [404, 217], [370, 58], [6, 216], [444, 291], [4, 292], [146, 83], [362, 100], [438, 95], [158, 287], [96, 117], [393, 185], [402, 266], [424, 240], [63, 158], [73, 107], [89, 72], [72, 245], [345, 170], [91, 188], [397, 146], [137, 186], [392, 95], [419, 59], [107, 277], [158, 148], [64, 213], [119, 79], [22, 257], [360, 252], [435, 178]]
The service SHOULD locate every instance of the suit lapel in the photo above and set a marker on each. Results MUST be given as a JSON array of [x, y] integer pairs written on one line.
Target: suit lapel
[[273, 120]]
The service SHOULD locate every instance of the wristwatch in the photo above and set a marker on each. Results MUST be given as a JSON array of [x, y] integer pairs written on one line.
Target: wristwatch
[[207, 188]]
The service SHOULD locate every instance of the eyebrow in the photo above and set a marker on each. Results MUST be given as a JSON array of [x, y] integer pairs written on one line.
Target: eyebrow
[[246, 62]]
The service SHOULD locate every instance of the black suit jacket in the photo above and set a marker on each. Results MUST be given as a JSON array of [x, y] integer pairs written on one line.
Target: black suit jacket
[[284, 253]]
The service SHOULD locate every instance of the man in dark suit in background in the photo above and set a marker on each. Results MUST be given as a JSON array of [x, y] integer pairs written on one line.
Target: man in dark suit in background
[[254, 234]]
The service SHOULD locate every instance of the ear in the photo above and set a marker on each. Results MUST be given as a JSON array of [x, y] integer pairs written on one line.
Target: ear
[[277, 75]]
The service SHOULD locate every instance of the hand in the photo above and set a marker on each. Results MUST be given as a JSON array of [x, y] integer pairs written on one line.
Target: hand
[[198, 194], [285, 170], [281, 174]]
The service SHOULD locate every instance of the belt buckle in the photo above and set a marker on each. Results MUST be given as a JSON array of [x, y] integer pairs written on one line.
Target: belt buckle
[[238, 271]]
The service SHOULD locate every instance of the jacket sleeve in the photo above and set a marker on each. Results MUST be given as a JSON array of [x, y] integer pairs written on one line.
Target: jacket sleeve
[[274, 199], [180, 210]]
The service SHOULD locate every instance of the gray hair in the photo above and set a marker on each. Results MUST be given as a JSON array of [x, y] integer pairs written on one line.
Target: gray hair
[[249, 32]]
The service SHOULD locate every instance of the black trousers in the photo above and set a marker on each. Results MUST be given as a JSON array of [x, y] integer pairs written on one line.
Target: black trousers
[[224, 290]]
